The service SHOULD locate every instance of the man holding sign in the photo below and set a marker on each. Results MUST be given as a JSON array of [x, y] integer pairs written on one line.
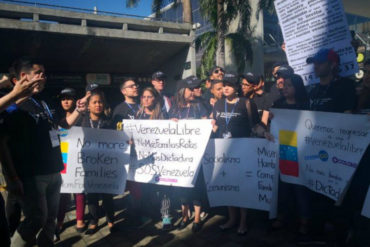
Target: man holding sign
[[333, 93]]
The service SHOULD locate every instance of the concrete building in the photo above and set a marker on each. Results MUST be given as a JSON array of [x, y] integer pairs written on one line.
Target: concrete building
[[81, 47]]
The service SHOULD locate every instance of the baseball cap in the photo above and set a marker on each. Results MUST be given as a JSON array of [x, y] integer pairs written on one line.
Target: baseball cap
[[67, 92], [189, 82], [230, 80], [91, 87], [324, 55], [285, 71], [159, 75], [251, 78]]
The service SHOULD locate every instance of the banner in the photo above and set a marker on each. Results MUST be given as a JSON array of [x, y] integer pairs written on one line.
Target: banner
[[308, 26], [167, 152], [94, 160], [320, 150], [366, 208], [242, 172]]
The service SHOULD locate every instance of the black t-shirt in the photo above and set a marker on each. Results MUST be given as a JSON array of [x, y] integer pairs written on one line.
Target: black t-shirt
[[205, 104], [263, 102], [143, 115], [195, 111], [281, 103], [233, 118], [124, 111], [338, 96], [27, 126], [103, 123], [274, 93]]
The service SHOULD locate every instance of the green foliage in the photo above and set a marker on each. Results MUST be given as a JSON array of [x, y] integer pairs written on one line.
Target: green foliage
[[240, 42]]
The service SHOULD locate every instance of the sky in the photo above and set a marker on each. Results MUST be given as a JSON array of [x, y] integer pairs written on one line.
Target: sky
[[116, 6]]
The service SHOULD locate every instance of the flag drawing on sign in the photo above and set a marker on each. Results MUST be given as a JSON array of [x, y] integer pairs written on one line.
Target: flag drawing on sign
[[288, 161], [64, 146]]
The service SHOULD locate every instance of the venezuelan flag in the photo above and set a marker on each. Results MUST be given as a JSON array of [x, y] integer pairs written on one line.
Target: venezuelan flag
[[64, 148], [288, 161]]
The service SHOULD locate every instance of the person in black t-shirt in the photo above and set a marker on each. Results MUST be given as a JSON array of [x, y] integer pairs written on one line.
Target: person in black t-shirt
[[97, 119], [150, 107], [158, 82], [252, 88], [185, 107], [34, 154], [198, 95], [215, 74], [333, 93], [294, 97], [128, 108], [216, 90], [235, 118]]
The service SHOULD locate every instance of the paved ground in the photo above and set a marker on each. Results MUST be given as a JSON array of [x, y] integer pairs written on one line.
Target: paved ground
[[152, 235]]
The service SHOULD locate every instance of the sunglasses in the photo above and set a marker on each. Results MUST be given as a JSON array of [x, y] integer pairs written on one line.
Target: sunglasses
[[217, 71]]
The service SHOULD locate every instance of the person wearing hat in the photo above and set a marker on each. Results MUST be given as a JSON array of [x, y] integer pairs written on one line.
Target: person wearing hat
[[185, 107], [253, 88], [333, 93], [216, 73], [284, 72], [235, 118], [67, 99], [158, 82]]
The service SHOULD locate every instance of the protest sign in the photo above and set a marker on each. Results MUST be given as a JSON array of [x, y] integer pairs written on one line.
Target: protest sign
[[308, 26], [167, 152], [241, 172], [94, 160], [320, 150], [366, 208]]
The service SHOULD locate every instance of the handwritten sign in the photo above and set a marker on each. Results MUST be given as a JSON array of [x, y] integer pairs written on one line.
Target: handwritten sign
[[366, 208], [94, 160], [308, 26], [320, 150], [167, 152], [241, 172]]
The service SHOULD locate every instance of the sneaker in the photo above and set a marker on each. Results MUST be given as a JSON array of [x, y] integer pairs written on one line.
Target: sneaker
[[166, 223], [203, 216]]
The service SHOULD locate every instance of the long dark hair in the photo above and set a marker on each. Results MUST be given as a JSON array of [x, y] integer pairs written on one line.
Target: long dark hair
[[179, 99], [107, 111], [157, 109], [301, 96]]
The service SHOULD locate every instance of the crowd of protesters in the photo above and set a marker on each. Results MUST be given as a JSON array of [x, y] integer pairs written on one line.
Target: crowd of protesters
[[239, 106]]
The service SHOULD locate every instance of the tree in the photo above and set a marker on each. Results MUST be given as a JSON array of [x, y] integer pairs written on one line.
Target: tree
[[220, 13], [158, 4]]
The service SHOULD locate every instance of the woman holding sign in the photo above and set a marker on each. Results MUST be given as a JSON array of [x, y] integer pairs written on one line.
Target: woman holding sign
[[184, 107], [150, 108], [294, 97], [235, 117], [97, 119]]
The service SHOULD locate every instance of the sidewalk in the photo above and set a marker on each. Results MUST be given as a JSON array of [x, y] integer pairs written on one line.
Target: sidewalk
[[152, 235]]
